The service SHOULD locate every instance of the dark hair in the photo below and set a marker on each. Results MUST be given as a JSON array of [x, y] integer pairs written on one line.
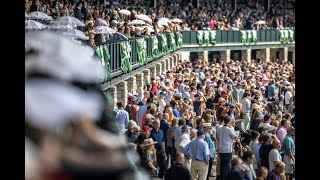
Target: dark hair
[[198, 121], [283, 122], [141, 138], [173, 103], [181, 122], [184, 128], [260, 129], [254, 134], [120, 104], [264, 138], [226, 119], [235, 161], [149, 100], [246, 155]]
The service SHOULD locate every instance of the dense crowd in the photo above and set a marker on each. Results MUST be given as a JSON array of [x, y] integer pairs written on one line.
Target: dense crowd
[[200, 113], [209, 15]]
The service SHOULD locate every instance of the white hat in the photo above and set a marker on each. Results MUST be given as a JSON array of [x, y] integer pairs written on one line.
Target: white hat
[[178, 94], [286, 83], [208, 80], [149, 116]]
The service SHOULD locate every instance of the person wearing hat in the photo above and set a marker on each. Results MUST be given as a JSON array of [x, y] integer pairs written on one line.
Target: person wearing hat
[[289, 150], [146, 130], [198, 151], [134, 107], [150, 157], [207, 127]]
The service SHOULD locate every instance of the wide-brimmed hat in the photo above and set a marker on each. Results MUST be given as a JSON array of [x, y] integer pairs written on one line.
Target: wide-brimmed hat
[[148, 142]]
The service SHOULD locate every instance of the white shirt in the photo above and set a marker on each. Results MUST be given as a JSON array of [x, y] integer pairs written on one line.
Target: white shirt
[[226, 136], [245, 105], [162, 105], [252, 174], [264, 125], [183, 140], [287, 97], [274, 155], [217, 141]]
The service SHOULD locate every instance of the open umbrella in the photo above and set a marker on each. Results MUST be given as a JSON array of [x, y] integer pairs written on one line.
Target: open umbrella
[[119, 36], [34, 25], [149, 28], [40, 16], [100, 22], [61, 58], [103, 30], [125, 12], [60, 27], [143, 17], [164, 21], [176, 20], [136, 22], [260, 22], [76, 34], [68, 20]]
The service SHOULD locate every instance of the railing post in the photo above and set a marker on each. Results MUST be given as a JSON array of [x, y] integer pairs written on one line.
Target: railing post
[[158, 69], [164, 66], [225, 55], [146, 75], [153, 72], [140, 84], [132, 85], [122, 90]]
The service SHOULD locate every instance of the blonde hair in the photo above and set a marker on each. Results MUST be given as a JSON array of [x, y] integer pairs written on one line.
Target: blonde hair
[[193, 134], [276, 123]]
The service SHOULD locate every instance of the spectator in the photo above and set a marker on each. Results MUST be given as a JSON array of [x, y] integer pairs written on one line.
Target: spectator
[[247, 164], [274, 155], [178, 171], [262, 173], [276, 173], [236, 171], [122, 116], [288, 150]]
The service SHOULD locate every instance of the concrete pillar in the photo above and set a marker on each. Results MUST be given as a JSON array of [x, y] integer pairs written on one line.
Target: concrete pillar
[[246, 55], [203, 55], [168, 63], [146, 76], [113, 93], [225, 55], [264, 55], [140, 84], [164, 66], [158, 69], [122, 89], [185, 55], [283, 54], [153, 72], [171, 59], [175, 60], [132, 85]]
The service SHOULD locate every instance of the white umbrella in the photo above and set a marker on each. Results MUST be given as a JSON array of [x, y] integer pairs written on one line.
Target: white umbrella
[[103, 30], [136, 22], [76, 34], [34, 25], [125, 12], [60, 27], [149, 28], [143, 17], [61, 58], [260, 22], [164, 21], [39, 15], [51, 104], [176, 20], [68, 20]]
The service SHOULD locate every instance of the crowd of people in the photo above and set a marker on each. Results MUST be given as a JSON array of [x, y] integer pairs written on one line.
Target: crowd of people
[[207, 15], [197, 114]]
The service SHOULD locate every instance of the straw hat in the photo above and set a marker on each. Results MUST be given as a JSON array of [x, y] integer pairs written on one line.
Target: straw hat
[[148, 142]]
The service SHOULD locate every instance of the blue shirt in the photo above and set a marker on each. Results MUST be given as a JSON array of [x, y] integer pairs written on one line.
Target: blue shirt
[[122, 118], [164, 126], [271, 90], [212, 149], [288, 143], [197, 150], [133, 138], [158, 136], [256, 153], [176, 113]]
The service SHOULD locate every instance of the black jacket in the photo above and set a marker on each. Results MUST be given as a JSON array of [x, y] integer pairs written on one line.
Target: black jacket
[[178, 172], [235, 174]]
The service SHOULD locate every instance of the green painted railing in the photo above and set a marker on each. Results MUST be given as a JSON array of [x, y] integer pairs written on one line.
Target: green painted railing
[[120, 57]]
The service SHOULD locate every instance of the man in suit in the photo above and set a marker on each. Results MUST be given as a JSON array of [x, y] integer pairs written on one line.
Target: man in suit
[[247, 164], [236, 172], [178, 171]]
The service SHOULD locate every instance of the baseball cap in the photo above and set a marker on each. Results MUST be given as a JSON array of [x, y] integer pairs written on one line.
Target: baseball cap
[[178, 94], [224, 92], [135, 98], [239, 84], [162, 93], [200, 132], [291, 128]]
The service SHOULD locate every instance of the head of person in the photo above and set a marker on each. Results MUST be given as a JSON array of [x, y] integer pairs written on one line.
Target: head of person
[[207, 127], [179, 158], [227, 120], [156, 124], [165, 116], [246, 95], [200, 134], [263, 131], [148, 144], [136, 130], [277, 144], [174, 122], [200, 122], [185, 129], [146, 130], [262, 172], [255, 135], [291, 130], [285, 123], [236, 163], [248, 156], [149, 101], [120, 104], [181, 122], [280, 166], [141, 138], [266, 139], [267, 118]]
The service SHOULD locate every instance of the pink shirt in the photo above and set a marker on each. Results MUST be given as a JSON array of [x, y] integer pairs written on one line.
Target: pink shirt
[[281, 134]]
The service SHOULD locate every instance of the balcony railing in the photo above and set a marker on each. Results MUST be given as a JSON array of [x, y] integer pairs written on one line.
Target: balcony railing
[[120, 57]]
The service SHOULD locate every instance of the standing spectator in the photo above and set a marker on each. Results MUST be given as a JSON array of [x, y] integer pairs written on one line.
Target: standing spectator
[[255, 136], [271, 89], [276, 173], [158, 136], [34, 6], [266, 122], [162, 102], [198, 151], [178, 171], [178, 132], [282, 131], [225, 138], [264, 150], [236, 93], [77, 11], [164, 126], [247, 164], [170, 142], [208, 131], [134, 108], [141, 112], [84, 11], [274, 155], [135, 134], [183, 140], [289, 151], [287, 97], [236, 171], [246, 107], [150, 157], [122, 117]]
